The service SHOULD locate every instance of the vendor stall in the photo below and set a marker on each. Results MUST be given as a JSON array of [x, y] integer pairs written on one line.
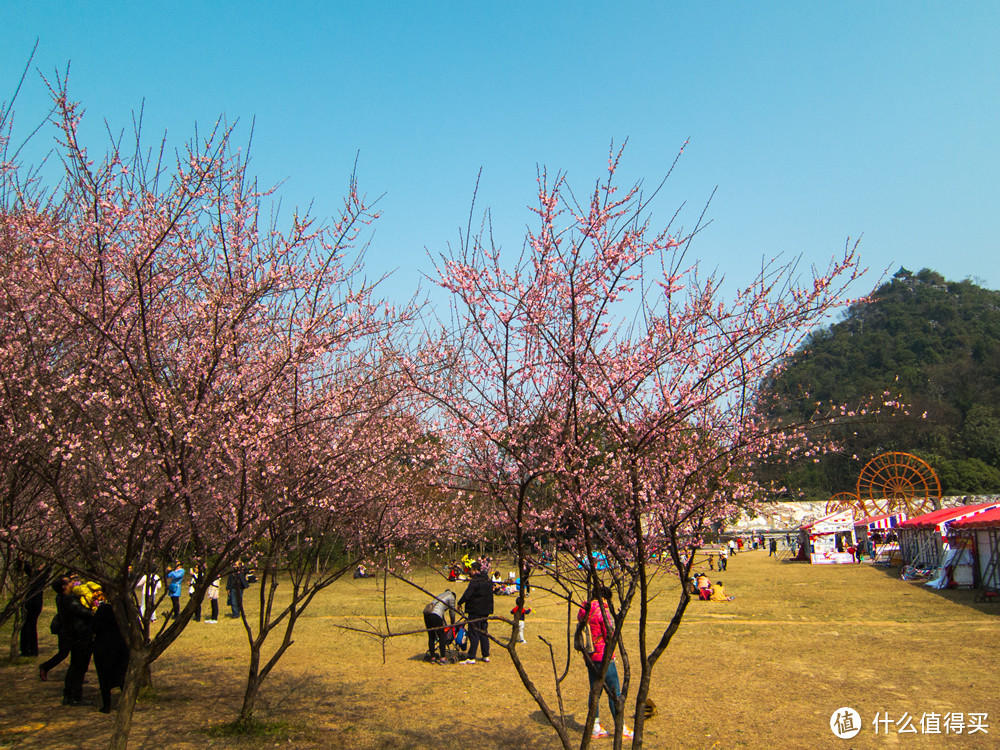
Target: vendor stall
[[876, 535], [830, 539], [982, 530], [924, 543]]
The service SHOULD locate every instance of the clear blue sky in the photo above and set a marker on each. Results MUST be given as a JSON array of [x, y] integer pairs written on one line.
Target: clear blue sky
[[817, 121]]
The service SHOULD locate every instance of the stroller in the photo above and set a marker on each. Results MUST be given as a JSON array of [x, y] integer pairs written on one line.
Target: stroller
[[456, 638]]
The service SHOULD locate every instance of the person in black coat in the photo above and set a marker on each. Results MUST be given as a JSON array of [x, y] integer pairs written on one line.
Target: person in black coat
[[236, 582], [63, 650], [76, 619], [34, 594], [478, 603], [110, 654]]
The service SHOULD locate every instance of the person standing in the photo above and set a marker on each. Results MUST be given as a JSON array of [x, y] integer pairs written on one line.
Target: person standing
[[62, 650], [110, 654], [478, 603], [175, 580], [33, 600], [773, 547], [213, 600], [520, 611], [76, 619], [723, 557], [732, 546], [192, 583], [434, 622], [595, 614], [526, 578], [146, 588], [236, 582]]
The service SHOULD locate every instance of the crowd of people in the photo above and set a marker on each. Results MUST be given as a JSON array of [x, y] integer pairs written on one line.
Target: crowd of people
[[86, 629], [464, 622]]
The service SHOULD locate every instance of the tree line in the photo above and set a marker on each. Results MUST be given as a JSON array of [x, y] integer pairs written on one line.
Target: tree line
[[931, 343]]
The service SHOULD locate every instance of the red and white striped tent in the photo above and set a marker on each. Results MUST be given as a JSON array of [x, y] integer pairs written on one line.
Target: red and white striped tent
[[879, 525], [923, 538], [983, 530], [881, 522]]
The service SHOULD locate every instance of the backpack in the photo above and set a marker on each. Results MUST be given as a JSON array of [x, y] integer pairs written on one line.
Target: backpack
[[583, 641]]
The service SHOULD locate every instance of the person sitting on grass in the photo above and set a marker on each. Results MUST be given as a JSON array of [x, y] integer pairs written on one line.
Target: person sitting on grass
[[719, 593], [704, 587]]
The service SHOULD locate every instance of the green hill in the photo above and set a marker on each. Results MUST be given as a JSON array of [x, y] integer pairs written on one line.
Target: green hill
[[934, 342]]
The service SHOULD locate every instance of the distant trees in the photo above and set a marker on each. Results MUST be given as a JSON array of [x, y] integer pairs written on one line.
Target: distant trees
[[935, 343]]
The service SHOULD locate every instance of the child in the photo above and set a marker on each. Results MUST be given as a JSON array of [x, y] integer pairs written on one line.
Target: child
[[523, 611]]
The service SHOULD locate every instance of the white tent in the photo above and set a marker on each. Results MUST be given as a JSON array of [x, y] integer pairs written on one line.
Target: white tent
[[829, 537]]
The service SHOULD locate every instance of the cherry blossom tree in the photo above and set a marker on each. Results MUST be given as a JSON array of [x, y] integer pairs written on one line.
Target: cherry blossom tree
[[602, 391], [345, 495], [164, 339]]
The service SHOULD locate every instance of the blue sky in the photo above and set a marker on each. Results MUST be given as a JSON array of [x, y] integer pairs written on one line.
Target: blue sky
[[816, 121]]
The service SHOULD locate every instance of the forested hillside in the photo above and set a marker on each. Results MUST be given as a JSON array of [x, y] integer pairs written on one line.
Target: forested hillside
[[934, 342]]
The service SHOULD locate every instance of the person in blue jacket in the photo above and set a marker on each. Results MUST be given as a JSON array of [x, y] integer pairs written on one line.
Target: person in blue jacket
[[175, 579]]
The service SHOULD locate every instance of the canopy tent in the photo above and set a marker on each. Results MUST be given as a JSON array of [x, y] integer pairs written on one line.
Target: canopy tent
[[923, 538], [877, 533], [883, 521], [955, 569], [986, 519], [983, 531], [828, 538]]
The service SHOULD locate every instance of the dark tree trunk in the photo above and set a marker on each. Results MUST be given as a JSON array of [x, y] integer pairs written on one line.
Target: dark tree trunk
[[254, 680], [15, 634], [137, 677]]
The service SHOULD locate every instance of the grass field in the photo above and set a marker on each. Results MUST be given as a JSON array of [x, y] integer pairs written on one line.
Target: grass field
[[766, 670]]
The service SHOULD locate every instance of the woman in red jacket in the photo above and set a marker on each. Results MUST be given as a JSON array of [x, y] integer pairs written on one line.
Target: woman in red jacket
[[601, 624]]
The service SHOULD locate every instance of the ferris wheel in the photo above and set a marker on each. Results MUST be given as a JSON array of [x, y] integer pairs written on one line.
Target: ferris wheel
[[894, 482]]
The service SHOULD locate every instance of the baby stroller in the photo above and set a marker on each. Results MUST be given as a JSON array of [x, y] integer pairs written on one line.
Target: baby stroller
[[456, 638]]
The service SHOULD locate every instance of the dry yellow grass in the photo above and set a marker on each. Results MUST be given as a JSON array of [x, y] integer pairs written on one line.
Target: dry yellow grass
[[766, 670]]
